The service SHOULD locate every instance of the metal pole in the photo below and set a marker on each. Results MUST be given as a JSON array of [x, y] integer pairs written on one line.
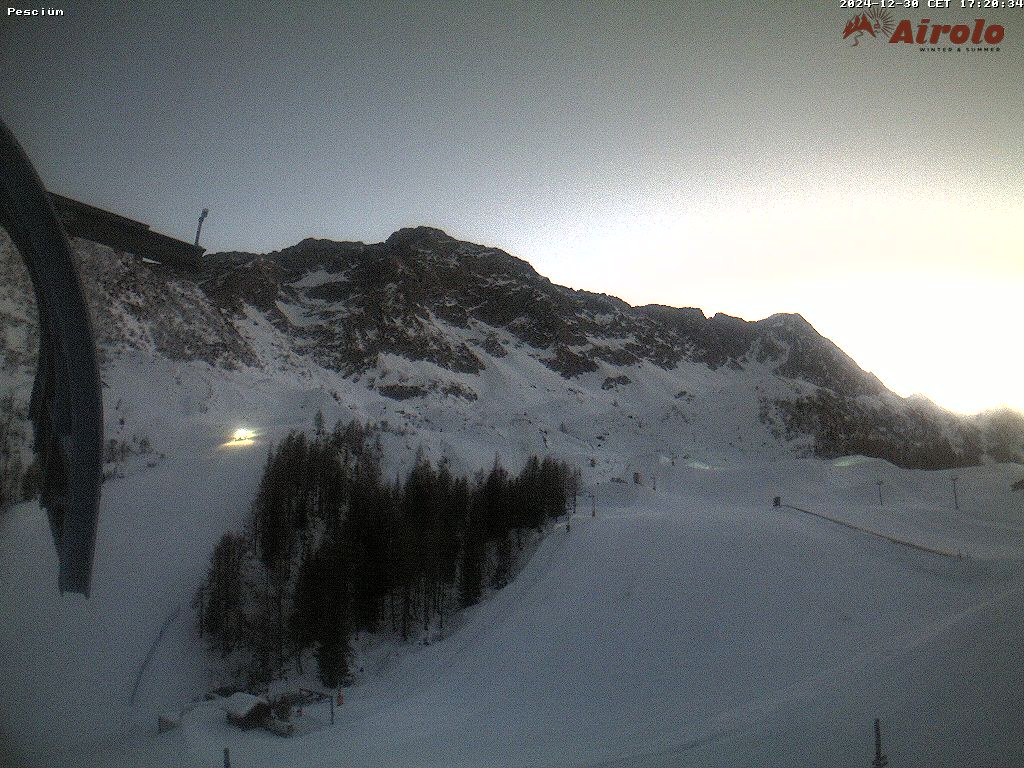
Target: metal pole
[[227, 758], [880, 482], [202, 610], [880, 760], [956, 498], [331, 699], [199, 229]]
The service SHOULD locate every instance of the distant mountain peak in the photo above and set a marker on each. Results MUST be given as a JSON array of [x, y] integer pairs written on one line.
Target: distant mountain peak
[[421, 234]]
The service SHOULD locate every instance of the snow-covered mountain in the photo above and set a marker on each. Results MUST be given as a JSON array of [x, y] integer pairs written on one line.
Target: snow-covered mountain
[[425, 297], [434, 332]]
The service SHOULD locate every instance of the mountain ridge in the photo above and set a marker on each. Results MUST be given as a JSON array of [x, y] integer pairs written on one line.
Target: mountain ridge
[[462, 331], [429, 262]]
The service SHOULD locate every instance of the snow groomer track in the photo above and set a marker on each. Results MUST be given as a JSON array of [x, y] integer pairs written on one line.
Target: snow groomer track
[[861, 529]]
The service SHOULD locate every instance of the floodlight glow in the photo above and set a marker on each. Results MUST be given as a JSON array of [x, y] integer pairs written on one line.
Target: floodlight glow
[[240, 437]]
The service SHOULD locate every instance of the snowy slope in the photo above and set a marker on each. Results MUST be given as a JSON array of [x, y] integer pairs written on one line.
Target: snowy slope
[[688, 625], [694, 625]]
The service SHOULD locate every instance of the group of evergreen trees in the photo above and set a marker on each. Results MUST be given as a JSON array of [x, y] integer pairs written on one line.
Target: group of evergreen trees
[[332, 548], [10, 454], [17, 482], [908, 437]]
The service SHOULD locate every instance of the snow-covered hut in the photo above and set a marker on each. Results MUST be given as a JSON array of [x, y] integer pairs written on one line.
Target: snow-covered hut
[[246, 710]]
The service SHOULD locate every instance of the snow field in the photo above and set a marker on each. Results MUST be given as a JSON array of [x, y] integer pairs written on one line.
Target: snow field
[[692, 625]]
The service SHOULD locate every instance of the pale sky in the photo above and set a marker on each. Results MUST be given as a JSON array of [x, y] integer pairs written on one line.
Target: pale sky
[[737, 157]]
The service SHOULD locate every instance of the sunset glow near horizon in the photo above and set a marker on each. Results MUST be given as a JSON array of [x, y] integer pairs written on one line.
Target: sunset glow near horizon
[[739, 158], [931, 308]]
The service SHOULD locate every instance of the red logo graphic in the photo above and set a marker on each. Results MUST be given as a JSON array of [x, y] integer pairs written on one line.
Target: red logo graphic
[[957, 34], [879, 23], [875, 22]]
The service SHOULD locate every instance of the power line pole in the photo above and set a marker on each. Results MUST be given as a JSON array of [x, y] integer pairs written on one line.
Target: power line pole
[[202, 217], [880, 760]]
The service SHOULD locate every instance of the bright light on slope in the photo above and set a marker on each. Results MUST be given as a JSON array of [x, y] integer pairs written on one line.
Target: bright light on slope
[[242, 437]]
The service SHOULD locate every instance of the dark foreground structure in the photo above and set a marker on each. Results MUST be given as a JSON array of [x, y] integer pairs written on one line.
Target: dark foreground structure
[[124, 234], [67, 402]]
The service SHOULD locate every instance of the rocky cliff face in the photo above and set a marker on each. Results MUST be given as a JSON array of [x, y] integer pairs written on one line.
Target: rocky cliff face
[[426, 296]]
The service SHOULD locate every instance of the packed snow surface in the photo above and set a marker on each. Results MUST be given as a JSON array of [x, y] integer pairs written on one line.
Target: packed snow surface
[[693, 624]]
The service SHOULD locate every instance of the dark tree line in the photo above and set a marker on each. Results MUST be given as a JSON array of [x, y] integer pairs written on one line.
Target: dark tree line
[[17, 482], [332, 548], [843, 426]]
